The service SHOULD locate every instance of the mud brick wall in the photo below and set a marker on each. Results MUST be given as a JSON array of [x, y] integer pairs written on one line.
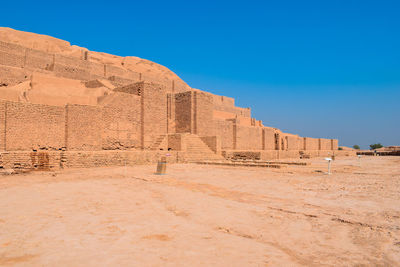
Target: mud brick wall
[[135, 89], [242, 155], [120, 72], [282, 142], [54, 160], [121, 119], [203, 114], [12, 55], [227, 104], [300, 141], [154, 112], [194, 113], [224, 129], [2, 125], [268, 138], [30, 160], [311, 143], [183, 112], [97, 70], [176, 142], [38, 59], [245, 112], [248, 138], [120, 81], [334, 144], [171, 113], [30, 126], [167, 83], [11, 76], [325, 144], [223, 101], [292, 142], [84, 127], [72, 68]]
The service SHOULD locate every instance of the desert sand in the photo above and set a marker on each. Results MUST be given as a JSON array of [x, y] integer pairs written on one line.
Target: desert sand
[[199, 215]]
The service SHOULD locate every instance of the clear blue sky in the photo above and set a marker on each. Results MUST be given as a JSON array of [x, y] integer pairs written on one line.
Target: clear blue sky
[[314, 68]]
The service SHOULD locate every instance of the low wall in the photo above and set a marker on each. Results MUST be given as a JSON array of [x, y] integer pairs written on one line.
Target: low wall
[[282, 154], [55, 160]]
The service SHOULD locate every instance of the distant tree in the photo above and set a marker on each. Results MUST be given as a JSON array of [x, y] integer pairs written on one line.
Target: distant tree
[[375, 146], [356, 147], [340, 148]]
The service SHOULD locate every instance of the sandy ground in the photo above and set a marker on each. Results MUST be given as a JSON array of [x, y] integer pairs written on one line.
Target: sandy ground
[[204, 216]]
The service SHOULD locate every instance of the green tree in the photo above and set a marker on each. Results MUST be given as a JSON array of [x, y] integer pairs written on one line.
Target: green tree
[[375, 146], [356, 147]]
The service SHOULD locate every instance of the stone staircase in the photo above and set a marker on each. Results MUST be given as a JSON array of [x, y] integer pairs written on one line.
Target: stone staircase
[[197, 150]]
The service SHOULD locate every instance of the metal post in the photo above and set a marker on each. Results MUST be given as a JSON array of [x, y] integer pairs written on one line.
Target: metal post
[[329, 165]]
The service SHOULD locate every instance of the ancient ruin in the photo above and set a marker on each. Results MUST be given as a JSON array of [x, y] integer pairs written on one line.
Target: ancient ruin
[[65, 106]]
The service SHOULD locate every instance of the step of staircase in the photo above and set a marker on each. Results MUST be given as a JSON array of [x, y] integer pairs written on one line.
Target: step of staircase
[[197, 150]]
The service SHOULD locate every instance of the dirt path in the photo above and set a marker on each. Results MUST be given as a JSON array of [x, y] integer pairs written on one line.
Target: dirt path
[[204, 216]]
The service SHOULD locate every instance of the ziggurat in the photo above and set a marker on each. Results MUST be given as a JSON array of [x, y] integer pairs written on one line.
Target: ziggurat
[[64, 106]]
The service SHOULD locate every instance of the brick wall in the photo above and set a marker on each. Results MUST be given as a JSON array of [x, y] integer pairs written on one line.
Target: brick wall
[[223, 101], [84, 127], [54, 160], [292, 142], [203, 114], [38, 59], [121, 119], [11, 76], [30, 126], [2, 125], [71, 68], [183, 112], [227, 104], [248, 138], [224, 129], [121, 72], [300, 141], [325, 144], [96, 70], [12, 55], [194, 113], [245, 112], [176, 142], [154, 112], [134, 89], [268, 138], [311, 143], [171, 118], [334, 144]]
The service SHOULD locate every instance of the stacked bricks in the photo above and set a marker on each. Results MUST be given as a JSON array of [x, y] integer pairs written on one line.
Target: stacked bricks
[[84, 127], [311, 143], [224, 129], [268, 138], [31, 126], [153, 112], [121, 119], [3, 107], [12, 55]]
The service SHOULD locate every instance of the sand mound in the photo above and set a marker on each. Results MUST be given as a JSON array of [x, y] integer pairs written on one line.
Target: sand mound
[[50, 90], [53, 45]]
